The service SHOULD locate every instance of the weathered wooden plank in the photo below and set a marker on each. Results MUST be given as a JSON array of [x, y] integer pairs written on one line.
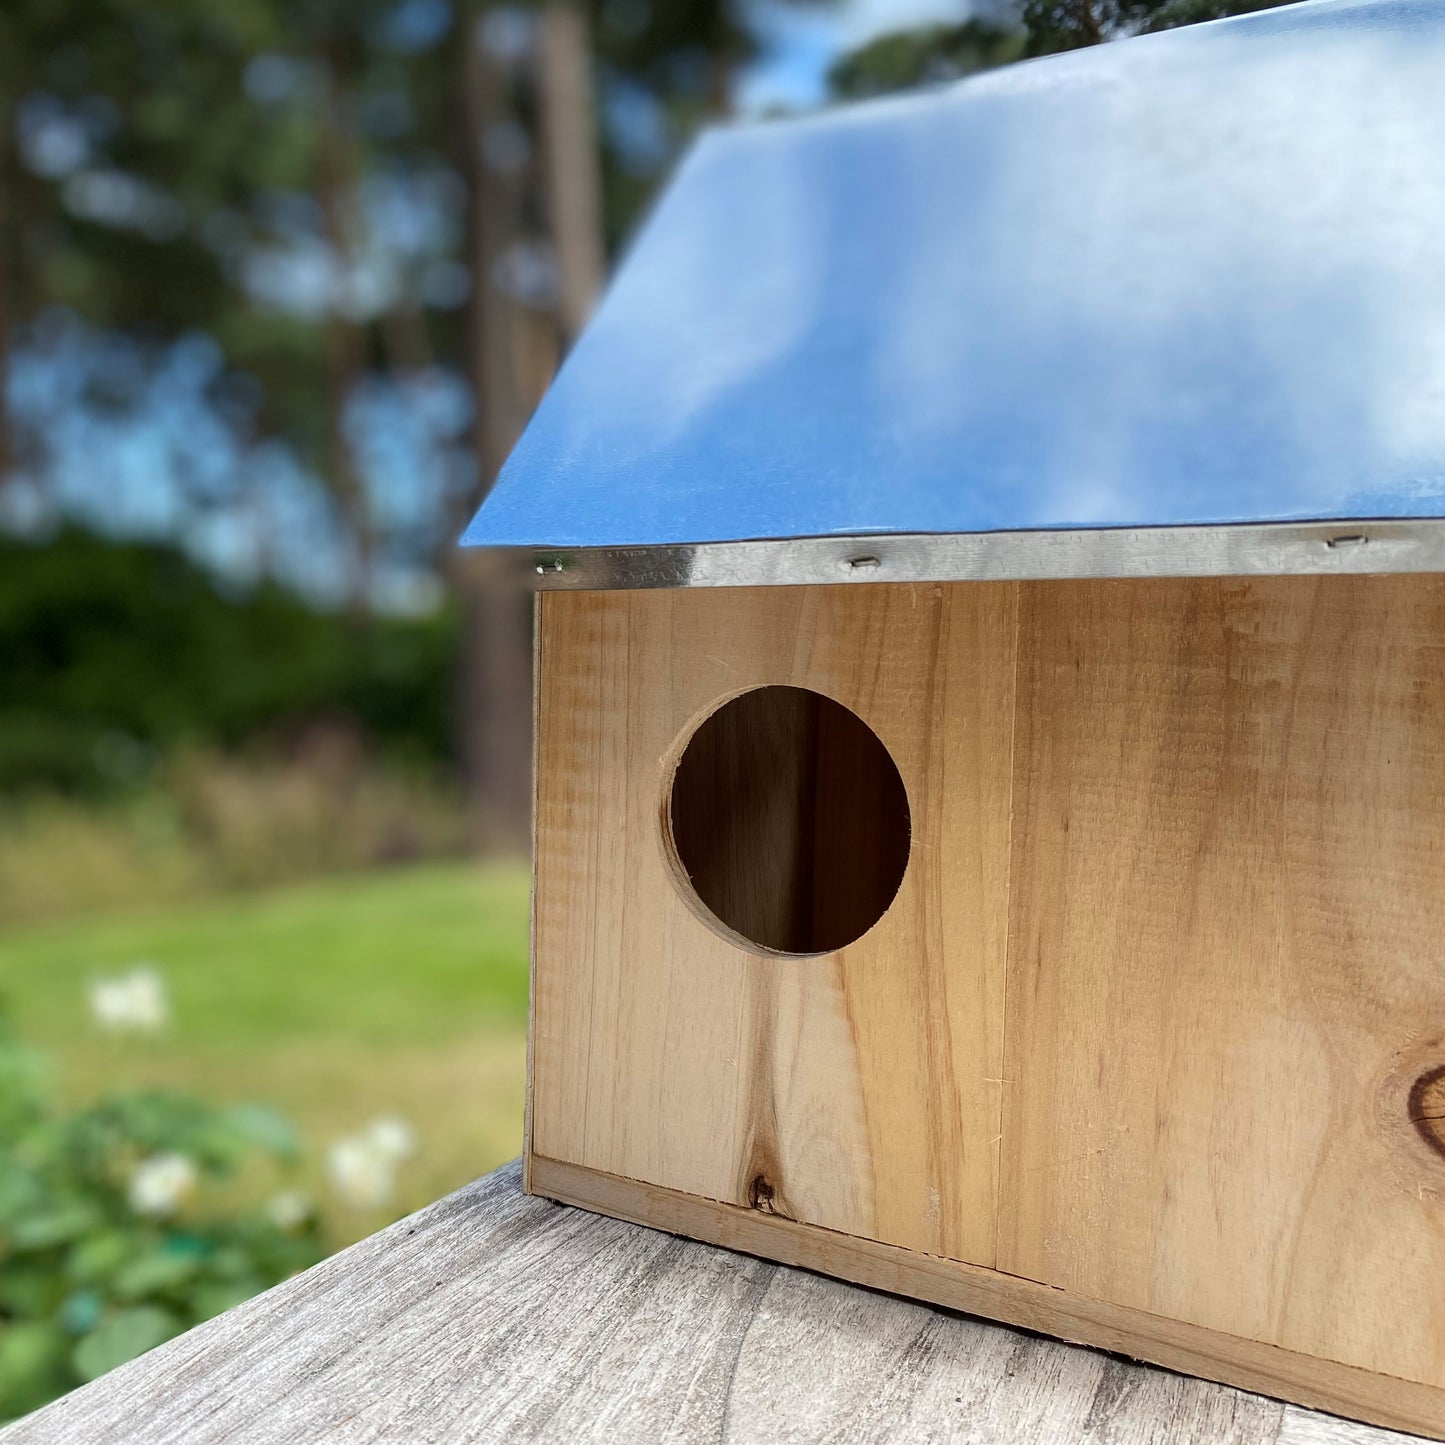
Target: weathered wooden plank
[[1304, 1427], [1023, 1303], [825, 1361], [493, 1316]]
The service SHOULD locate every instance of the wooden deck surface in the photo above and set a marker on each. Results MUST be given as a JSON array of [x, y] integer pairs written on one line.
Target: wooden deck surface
[[492, 1316]]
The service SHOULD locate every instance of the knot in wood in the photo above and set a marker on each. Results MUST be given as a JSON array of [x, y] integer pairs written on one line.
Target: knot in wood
[[1427, 1108], [761, 1195]]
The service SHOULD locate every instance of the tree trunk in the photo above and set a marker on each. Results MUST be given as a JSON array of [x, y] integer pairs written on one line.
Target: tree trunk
[[8, 268], [494, 695], [494, 698], [573, 178], [336, 183]]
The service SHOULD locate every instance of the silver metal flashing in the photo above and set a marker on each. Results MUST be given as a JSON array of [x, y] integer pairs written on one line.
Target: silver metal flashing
[[1253, 550]]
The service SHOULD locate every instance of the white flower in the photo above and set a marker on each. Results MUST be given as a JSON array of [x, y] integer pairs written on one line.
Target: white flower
[[391, 1137], [133, 1002], [161, 1184], [360, 1174], [289, 1210], [362, 1167]]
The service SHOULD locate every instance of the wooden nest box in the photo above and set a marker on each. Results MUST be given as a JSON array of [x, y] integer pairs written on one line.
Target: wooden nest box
[[990, 804]]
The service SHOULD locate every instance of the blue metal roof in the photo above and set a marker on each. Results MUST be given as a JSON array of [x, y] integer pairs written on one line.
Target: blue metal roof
[[1193, 278]]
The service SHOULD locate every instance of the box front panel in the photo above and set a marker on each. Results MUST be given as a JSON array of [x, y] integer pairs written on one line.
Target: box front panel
[[1157, 1017], [1227, 959], [858, 1089]]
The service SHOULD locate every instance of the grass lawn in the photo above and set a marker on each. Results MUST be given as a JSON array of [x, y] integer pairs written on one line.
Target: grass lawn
[[402, 992]]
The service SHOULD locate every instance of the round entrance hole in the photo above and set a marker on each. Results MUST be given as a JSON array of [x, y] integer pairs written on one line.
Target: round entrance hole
[[789, 821]]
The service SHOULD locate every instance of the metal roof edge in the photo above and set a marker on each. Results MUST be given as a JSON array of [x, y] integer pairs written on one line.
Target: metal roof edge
[[1363, 547]]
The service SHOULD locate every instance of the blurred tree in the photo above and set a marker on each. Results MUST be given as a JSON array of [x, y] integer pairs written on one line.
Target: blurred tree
[[571, 172], [112, 174], [118, 654], [995, 37], [537, 202], [664, 66], [387, 218], [1072, 24], [927, 56], [509, 268], [7, 284]]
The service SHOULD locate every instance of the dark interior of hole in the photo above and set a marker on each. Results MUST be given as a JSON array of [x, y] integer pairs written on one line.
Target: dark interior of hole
[[790, 820]]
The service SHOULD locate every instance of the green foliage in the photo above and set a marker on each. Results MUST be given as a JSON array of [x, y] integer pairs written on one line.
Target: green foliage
[[116, 655], [398, 993], [168, 96], [928, 56], [680, 53], [415, 958], [94, 1269], [1056, 25], [1173, 14], [215, 825], [146, 74], [1035, 27]]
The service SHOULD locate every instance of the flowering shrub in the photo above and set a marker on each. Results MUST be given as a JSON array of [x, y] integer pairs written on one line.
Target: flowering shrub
[[362, 1167], [135, 1002], [110, 1238]]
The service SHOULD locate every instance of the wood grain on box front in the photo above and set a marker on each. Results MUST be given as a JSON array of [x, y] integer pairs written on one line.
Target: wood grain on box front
[[859, 1089], [1157, 1017], [1227, 958]]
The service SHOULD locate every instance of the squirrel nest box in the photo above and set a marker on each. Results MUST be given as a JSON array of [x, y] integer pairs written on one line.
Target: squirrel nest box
[[990, 705]]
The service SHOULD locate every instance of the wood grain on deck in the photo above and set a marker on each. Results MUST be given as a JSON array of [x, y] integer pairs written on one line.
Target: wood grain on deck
[[493, 1316]]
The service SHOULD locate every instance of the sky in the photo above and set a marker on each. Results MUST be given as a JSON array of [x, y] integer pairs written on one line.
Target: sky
[[799, 41]]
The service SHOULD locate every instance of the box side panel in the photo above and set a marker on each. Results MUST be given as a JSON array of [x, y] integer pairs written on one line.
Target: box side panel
[[538, 605], [1225, 976], [859, 1090]]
